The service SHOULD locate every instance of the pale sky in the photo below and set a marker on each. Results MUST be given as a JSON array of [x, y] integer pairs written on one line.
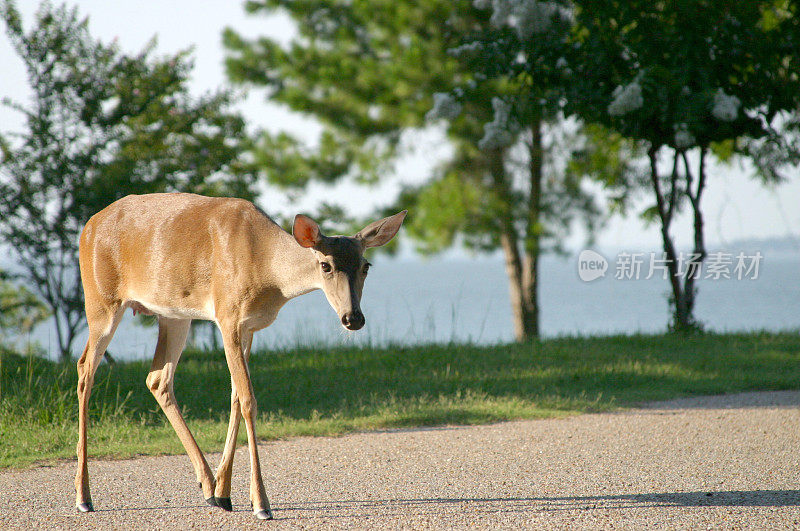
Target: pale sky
[[736, 207]]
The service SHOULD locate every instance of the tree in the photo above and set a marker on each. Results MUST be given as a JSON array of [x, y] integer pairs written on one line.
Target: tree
[[100, 125], [371, 73], [517, 58], [691, 80], [20, 309]]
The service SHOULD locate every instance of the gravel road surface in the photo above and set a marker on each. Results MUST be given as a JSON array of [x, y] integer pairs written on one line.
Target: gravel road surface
[[718, 462]]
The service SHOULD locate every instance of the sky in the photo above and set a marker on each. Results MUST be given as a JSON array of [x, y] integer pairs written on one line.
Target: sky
[[736, 206]]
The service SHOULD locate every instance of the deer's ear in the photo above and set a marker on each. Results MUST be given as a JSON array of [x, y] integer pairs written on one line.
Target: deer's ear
[[380, 232], [306, 231]]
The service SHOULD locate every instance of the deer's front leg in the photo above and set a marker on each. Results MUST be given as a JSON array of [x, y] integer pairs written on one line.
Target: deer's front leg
[[237, 364], [222, 492]]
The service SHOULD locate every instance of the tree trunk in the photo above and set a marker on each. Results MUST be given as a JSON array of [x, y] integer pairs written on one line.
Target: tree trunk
[[683, 293], [516, 292], [533, 232], [666, 205], [509, 244], [699, 251], [521, 268]]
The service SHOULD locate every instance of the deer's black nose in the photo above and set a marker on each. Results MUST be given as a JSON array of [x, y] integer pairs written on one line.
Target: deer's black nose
[[353, 320]]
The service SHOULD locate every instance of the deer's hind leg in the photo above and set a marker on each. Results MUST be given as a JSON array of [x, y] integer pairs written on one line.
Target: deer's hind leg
[[172, 334], [102, 322]]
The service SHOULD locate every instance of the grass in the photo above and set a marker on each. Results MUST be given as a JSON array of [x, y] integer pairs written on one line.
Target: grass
[[329, 392]]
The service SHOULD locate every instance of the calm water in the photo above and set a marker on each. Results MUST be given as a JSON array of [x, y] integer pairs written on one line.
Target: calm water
[[442, 300]]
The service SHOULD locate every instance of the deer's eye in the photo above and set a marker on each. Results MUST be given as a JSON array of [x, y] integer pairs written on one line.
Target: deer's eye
[[326, 267], [365, 269]]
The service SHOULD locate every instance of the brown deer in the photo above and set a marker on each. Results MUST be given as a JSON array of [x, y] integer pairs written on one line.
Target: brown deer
[[184, 257]]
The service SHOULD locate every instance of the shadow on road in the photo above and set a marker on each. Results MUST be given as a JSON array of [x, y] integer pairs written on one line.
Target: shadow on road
[[442, 507], [750, 498]]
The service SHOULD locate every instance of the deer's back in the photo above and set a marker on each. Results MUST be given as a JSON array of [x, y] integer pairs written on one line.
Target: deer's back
[[168, 251]]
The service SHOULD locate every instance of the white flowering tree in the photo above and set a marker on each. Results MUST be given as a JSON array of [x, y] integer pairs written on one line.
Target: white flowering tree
[[373, 76], [691, 80], [539, 160]]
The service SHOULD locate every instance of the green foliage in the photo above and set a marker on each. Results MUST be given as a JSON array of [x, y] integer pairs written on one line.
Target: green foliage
[[20, 309], [366, 71], [717, 71], [360, 68], [320, 391], [442, 208], [101, 125]]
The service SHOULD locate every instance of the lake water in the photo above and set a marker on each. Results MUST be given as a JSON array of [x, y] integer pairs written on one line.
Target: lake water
[[412, 301]]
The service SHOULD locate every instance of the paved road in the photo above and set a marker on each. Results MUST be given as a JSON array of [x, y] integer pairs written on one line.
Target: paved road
[[717, 462]]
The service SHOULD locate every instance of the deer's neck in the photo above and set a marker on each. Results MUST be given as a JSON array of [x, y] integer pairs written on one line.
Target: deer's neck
[[295, 269]]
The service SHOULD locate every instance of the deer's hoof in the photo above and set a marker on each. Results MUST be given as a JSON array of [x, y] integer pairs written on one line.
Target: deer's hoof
[[224, 503], [264, 514], [212, 501], [86, 507]]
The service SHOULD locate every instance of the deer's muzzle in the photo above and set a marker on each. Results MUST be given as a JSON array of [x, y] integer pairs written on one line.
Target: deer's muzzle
[[353, 320]]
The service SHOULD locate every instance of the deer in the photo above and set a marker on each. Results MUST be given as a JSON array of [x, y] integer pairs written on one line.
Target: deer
[[181, 257]]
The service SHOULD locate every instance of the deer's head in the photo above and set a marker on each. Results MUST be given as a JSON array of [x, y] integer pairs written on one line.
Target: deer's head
[[342, 267]]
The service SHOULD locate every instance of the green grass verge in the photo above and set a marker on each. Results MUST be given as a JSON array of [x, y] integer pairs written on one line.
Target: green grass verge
[[334, 391]]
